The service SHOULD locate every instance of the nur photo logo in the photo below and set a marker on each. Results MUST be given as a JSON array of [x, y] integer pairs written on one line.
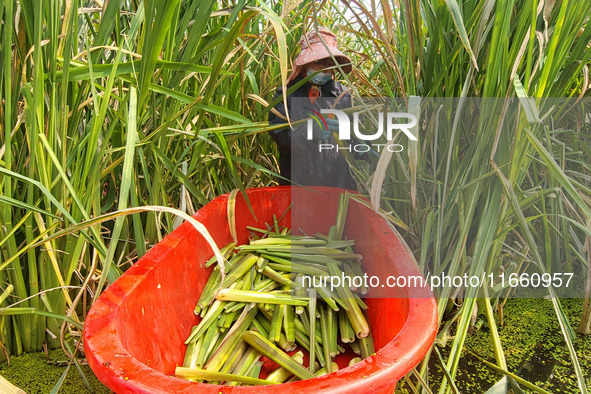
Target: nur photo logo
[[356, 141]]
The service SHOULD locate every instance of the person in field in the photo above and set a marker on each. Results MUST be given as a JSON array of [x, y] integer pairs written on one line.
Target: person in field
[[313, 76]]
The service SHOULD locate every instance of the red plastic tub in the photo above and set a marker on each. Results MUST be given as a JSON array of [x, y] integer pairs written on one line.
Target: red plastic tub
[[134, 334]]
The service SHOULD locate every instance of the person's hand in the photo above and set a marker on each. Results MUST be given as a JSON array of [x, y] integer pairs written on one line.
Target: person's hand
[[322, 134], [326, 132], [333, 124]]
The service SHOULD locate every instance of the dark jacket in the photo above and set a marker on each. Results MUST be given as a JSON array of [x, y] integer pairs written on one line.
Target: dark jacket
[[300, 159]]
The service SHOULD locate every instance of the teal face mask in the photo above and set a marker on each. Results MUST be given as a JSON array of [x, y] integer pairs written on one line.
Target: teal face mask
[[320, 78]]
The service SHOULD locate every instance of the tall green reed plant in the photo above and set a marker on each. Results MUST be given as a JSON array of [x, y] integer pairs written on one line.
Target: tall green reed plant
[[472, 196], [76, 142]]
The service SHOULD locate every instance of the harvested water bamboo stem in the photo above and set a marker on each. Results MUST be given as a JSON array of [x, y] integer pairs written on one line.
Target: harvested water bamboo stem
[[253, 296], [202, 374], [264, 346]]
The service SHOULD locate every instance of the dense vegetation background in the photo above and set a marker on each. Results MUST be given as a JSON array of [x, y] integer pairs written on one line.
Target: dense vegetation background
[[113, 104]]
